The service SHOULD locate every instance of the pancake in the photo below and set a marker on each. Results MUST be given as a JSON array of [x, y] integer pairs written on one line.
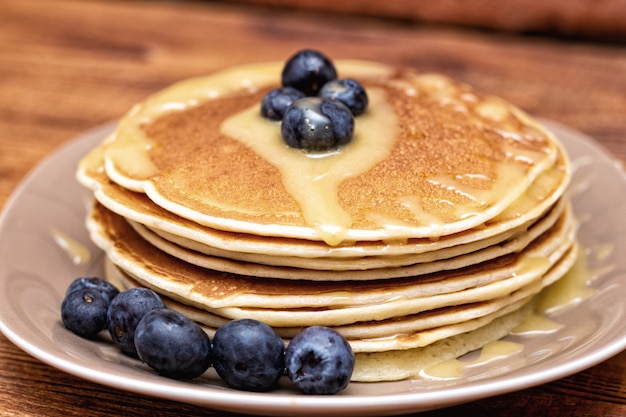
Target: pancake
[[543, 193], [354, 332], [292, 303], [376, 267], [398, 333], [219, 289], [394, 365], [301, 317], [407, 332], [470, 157]]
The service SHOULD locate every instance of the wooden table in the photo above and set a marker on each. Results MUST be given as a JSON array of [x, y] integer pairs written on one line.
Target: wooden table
[[67, 66]]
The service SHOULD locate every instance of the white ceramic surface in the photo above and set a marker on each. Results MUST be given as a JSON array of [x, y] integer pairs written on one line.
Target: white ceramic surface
[[35, 271]]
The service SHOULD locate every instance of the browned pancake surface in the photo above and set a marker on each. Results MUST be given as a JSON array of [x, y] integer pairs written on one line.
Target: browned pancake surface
[[211, 173]]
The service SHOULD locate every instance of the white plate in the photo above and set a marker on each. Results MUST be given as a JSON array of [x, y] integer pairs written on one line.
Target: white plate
[[35, 272]]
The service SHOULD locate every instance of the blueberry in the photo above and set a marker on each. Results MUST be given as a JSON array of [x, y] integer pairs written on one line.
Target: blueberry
[[126, 311], [277, 100], [248, 355], [319, 361], [316, 124], [106, 288], [349, 92], [172, 344], [308, 70], [84, 311]]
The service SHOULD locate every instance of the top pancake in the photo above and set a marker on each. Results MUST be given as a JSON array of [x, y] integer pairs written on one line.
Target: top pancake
[[429, 158]]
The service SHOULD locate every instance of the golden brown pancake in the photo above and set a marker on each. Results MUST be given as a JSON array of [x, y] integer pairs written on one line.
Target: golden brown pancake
[[297, 303], [543, 193], [377, 267], [390, 334], [447, 158]]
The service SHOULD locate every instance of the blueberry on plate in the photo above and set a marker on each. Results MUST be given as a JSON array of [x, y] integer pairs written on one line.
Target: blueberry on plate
[[319, 361], [172, 344], [348, 91], [276, 101], [317, 125], [96, 283], [126, 311], [84, 311], [248, 355], [308, 70]]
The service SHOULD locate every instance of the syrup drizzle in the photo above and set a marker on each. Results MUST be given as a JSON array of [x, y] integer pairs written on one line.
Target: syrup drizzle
[[319, 175], [77, 252], [571, 290], [455, 368]]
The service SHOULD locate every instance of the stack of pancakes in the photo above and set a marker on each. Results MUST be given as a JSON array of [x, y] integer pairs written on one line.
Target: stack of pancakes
[[424, 238]]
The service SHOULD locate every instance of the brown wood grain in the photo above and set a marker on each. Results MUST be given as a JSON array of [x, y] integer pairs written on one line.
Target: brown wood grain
[[67, 66], [580, 18]]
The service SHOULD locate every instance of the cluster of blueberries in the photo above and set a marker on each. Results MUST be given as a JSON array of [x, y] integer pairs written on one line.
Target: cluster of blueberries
[[316, 108], [247, 354]]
